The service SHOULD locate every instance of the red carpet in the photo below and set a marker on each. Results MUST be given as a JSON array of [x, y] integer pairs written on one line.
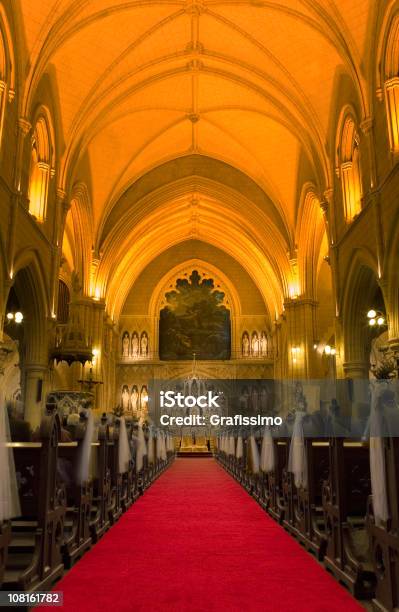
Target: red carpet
[[197, 542]]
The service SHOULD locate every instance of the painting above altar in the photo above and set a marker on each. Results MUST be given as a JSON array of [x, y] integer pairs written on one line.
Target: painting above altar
[[194, 320]]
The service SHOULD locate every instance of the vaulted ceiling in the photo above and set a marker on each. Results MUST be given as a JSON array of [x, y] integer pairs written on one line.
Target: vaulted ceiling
[[248, 83]]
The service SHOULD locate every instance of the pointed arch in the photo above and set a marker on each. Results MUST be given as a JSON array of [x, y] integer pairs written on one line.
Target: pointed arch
[[358, 293], [42, 163], [348, 163], [79, 230], [310, 234]]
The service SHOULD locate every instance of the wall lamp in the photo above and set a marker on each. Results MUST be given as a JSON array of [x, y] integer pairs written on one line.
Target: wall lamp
[[376, 318], [14, 317]]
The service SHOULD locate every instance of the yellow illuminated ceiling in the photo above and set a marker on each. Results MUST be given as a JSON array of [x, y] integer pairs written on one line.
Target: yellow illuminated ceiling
[[250, 84]]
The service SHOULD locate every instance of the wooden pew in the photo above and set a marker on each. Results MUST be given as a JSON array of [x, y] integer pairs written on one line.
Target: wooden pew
[[308, 519], [384, 538], [34, 555], [76, 537], [115, 507], [273, 499], [345, 496], [101, 478], [5, 537]]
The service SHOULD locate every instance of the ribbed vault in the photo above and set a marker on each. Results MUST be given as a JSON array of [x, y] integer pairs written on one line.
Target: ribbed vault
[[143, 83]]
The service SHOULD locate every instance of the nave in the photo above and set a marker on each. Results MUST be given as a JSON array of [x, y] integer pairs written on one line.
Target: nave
[[197, 541]]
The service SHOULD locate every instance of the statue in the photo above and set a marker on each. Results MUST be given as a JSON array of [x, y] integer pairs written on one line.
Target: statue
[[254, 399], [255, 344], [263, 399], [135, 345], [125, 398], [134, 399], [263, 344], [245, 345], [125, 344], [144, 401], [144, 344]]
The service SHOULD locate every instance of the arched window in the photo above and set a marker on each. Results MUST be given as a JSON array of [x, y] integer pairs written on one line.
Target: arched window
[[40, 165], [391, 83], [350, 169]]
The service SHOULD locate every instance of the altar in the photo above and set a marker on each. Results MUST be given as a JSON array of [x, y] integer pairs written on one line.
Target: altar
[[194, 440]]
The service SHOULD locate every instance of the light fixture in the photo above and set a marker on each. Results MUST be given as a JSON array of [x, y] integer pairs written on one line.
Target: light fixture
[[327, 349], [16, 317], [376, 318]]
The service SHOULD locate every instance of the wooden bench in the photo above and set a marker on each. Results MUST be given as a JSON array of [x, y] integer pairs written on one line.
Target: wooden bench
[[384, 538], [273, 498], [101, 478], [345, 497], [5, 537], [76, 537], [308, 520], [35, 551]]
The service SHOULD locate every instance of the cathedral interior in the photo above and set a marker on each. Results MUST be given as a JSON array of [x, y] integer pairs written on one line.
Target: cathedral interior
[[201, 190]]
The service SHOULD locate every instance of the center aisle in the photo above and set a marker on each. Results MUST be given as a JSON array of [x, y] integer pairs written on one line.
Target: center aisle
[[196, 541]]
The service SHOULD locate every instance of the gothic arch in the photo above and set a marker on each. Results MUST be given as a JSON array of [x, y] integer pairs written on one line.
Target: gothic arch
[[78, 229], [348, 163], [42, 163], [29, 284], [359, 290], [222, 282], [310, 234]]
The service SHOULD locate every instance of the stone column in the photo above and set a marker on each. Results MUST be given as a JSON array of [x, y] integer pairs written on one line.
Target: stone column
[[34, 390], [301, 332], [358, 389]]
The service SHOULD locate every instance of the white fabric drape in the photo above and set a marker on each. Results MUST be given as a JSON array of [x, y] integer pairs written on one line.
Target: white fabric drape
[[170, 447], [232, 446], [9, 498], [267, 458], [253, 448], [239, 448], [83, 463], [377, 460], [141, 449], [150, 448], [158, 444], [124, 455], [162, 451], [297, 463]]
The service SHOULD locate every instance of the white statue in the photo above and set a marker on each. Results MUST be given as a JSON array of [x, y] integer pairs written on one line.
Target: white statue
[[254, 399], [264, 397], [144, 344], [263, 344], [134, 399], [125, 399], [255, 345], [245, 345], [125, 344], [144, 400], [135, 345]]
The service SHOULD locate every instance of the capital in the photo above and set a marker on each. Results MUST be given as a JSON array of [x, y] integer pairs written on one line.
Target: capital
[[367, 125], [24, 125]]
